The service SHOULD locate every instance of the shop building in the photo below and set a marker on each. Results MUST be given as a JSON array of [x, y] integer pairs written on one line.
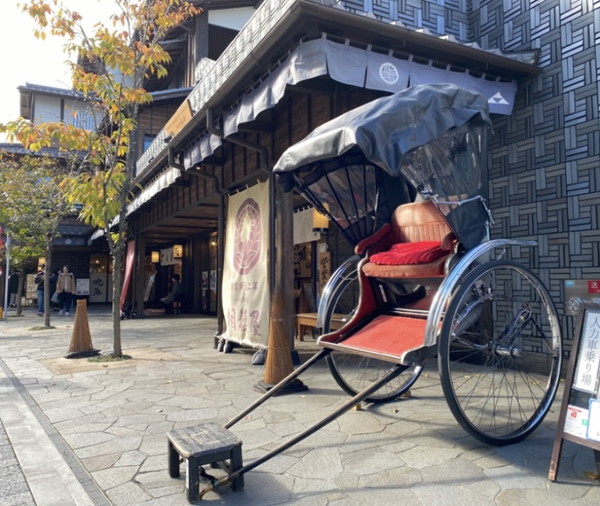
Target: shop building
[[298, 63], [89, 263]]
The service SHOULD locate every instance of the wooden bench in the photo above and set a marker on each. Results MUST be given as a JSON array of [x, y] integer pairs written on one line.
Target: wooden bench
[[207, 443], [306, 321]]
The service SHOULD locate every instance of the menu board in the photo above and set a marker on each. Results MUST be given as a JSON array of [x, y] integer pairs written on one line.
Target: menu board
[[82, 287]]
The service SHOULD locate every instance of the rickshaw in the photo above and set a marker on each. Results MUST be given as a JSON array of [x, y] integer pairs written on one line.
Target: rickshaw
[[403, 178]]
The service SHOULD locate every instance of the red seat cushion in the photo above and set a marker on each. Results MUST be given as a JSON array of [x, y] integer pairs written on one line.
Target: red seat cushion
[[409, 253]]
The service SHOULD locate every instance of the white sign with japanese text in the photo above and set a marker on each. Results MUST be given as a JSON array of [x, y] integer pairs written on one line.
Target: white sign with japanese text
[[593, 430], [166, 256], [82, 286], [576, 421], [588, 365]]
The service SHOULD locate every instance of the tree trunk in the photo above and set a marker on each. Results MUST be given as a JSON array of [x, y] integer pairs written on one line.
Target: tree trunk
[[117, 250], [119, 246], [4, 295], [20, 291], [117, 278], [47, 294]]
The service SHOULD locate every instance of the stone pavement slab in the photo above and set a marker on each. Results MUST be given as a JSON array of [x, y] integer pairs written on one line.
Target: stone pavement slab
[[102, 428], [13, 486], [49, 479]]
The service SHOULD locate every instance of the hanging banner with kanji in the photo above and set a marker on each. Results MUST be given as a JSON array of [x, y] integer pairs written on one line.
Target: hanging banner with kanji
[[245, 291]]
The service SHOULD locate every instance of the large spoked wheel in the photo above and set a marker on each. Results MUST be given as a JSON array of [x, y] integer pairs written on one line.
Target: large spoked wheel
[[500, 353], [353, 373]]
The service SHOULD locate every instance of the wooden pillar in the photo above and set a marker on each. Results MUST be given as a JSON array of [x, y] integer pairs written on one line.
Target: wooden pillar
[[197, 45], [284, 251], [200, 41], [220, 263]]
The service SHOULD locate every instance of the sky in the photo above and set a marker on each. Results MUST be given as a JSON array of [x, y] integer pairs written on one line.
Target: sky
[[26, 59]]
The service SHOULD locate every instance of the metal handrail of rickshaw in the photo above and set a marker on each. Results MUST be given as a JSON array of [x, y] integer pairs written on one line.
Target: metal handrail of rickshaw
[[346, 271]]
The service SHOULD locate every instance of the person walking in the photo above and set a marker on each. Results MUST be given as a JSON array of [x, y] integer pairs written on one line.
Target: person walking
[[65, 286], [39, 284]]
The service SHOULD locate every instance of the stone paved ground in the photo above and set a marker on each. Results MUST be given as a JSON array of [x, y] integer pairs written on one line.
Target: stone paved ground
[[95, 433], [13, 487]]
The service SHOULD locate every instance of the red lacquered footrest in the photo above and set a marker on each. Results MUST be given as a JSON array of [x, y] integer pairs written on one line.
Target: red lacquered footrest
[[388, 337]]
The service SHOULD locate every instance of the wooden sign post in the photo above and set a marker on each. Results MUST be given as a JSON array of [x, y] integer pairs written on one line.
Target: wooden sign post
[[579, 419]]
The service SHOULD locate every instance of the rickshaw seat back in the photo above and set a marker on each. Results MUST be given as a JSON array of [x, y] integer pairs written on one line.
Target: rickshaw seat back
[[416, 222]]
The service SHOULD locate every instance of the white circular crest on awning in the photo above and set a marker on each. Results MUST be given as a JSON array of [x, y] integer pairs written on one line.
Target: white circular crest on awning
[[389, 73]]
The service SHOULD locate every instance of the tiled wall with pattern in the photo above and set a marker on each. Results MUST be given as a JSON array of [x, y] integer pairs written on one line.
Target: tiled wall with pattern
[[441, 17], [545, 158]]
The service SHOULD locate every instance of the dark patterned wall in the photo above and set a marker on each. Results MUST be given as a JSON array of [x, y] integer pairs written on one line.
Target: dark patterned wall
[[442, 17], [545, 158]]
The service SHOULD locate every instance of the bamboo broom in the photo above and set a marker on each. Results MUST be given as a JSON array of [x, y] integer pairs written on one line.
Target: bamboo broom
[[278, 363]]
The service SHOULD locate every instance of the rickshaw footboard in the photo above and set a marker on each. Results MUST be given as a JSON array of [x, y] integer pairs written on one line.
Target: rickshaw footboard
[[386, 337]]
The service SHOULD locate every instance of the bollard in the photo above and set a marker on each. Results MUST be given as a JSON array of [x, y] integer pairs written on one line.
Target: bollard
[[81, 339]]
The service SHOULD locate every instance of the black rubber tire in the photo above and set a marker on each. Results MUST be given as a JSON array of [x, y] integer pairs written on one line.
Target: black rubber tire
[[500, 353], [353, 373]]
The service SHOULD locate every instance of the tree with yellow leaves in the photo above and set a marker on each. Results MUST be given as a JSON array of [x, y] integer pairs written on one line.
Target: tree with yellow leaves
[[110, 68], [33, 206]]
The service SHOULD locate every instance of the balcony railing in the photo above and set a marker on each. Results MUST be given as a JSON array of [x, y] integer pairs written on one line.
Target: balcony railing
[[450, 18]]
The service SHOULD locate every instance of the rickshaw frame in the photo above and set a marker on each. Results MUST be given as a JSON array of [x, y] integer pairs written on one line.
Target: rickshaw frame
[[476, 329]]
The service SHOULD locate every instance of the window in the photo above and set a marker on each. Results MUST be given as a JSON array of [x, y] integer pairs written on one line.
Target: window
[[148, 140]]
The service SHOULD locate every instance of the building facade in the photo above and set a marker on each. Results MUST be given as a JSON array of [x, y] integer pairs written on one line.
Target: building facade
[[240, 116], [90, 263]]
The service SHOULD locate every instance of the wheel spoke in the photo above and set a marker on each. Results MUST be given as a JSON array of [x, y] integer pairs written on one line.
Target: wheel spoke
[[351, 372], [500, 352]]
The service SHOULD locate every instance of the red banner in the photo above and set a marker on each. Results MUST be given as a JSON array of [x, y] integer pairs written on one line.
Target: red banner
[[129, 261]]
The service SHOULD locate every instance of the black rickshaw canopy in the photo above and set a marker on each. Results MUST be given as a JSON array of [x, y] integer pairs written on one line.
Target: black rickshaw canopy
[[356, 167]]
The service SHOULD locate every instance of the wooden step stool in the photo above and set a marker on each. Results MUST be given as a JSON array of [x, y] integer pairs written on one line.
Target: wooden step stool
[[207, 443]]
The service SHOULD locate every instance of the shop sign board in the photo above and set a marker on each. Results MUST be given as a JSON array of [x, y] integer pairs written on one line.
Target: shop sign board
[[579, 419]]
